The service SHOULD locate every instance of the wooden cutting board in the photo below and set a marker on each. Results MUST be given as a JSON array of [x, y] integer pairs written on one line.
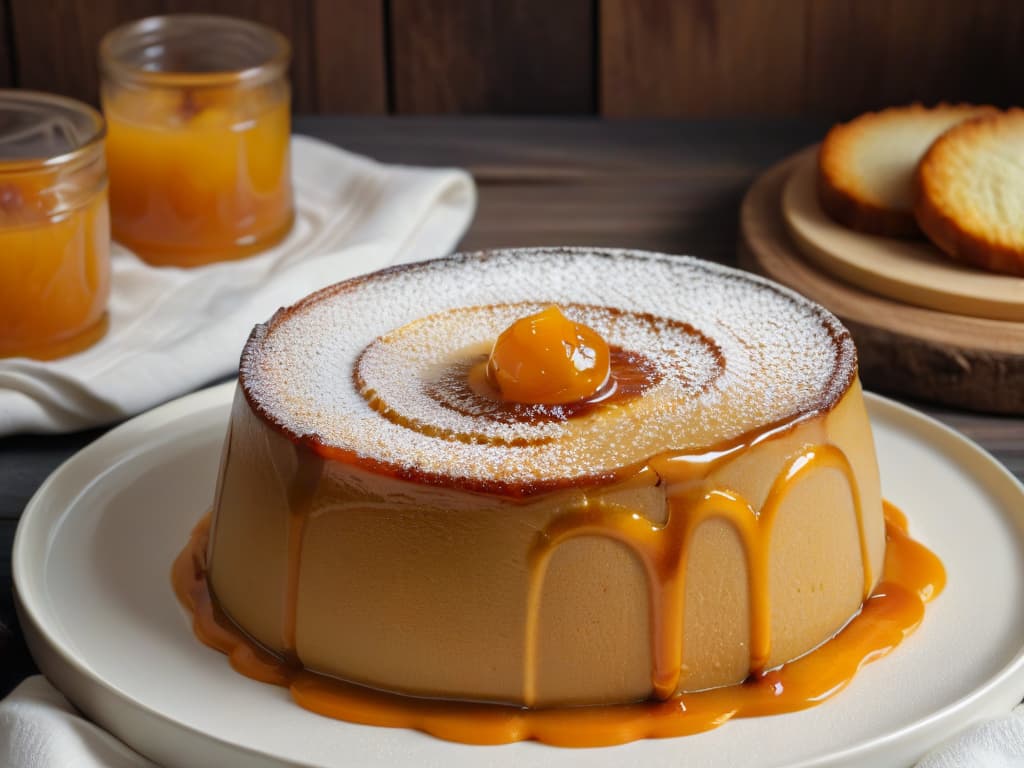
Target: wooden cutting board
[[912, 271], [927, 353]]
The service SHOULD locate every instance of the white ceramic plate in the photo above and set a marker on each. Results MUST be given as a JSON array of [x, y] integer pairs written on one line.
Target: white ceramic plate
[[92, 560]]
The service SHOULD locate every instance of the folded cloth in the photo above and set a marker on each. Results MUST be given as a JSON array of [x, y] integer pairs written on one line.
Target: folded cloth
[[40, 729], [173, 330], [997, 743]]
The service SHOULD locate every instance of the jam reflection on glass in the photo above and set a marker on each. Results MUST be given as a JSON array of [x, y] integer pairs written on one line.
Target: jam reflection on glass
[[198, 174], [54, 263], [54, 226]]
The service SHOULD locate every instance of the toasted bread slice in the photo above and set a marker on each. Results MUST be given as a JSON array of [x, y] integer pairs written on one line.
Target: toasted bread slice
[[970, 192], [866, 167]]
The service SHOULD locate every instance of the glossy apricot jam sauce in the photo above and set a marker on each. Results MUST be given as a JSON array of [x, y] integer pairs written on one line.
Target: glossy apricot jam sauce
[[912, 576], [547, 359]]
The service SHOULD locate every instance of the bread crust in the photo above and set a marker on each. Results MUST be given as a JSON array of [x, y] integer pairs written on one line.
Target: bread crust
[[960, 233], [839, 191]]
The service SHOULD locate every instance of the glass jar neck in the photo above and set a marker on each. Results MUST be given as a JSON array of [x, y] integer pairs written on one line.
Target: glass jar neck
[[33, 189], [194, 50]]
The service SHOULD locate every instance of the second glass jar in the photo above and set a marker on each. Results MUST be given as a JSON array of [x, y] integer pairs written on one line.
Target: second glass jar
[[198, 128]]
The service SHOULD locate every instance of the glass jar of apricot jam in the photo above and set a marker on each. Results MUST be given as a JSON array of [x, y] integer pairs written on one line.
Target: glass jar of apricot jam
[[54, 226], [198, 123]]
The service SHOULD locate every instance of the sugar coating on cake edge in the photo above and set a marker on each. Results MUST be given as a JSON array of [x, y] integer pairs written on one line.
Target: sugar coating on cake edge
[[774, 357]]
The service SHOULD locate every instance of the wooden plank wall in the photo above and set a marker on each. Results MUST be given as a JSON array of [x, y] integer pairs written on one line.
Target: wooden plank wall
[[518, 56], [713, 57], [6, 54], [622, 58]]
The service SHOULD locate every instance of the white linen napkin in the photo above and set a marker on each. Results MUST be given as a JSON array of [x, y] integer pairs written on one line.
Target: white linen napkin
[[996, 743], [38, 729], [174, 330]]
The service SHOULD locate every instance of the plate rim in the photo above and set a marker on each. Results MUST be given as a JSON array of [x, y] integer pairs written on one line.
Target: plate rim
[[28, 616], [125, 436]]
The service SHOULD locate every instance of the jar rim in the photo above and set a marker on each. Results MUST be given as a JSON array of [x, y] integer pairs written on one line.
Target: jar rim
[[137, 37], [81, 147]]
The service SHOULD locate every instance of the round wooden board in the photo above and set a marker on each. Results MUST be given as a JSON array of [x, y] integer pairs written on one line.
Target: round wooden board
[[910, 271], [969, 362]]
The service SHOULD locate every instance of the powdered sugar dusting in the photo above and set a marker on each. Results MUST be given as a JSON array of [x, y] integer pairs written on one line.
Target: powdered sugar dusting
[[426, 349], [750, 354]]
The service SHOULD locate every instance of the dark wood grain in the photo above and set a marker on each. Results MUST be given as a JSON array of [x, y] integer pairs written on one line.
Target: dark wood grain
[[74, 28], [664, 186], [494, 56], [293, 19], [6, 47], [704, 57], [349, 48], [634, 58], [15, 662], [864, 55], [722, 57], [57, 40]]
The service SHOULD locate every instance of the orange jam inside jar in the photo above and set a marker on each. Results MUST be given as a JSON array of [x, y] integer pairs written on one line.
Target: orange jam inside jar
[[197, 110], [54, 226]]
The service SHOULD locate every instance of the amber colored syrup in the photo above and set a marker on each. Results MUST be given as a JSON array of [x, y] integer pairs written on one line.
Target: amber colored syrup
[[663, 550], [193, 177], [300, 497], [466, 389], [465, 386], [54, 271], [912, 576], [547, 359]]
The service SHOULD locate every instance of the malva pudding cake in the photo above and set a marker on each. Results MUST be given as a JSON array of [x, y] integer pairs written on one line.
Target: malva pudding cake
[[544, 478]]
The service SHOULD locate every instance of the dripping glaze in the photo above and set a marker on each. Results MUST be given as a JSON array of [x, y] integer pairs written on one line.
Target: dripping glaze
[[912, 576]]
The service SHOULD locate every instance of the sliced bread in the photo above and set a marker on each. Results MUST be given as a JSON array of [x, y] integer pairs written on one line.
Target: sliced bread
[[866, 166], [970, 192]]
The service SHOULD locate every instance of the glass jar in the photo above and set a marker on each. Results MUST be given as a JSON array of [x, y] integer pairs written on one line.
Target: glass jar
[[54, 226], [198, 130]]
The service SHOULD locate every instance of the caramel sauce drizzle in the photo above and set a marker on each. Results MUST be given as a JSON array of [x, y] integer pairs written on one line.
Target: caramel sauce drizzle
[[301, 492], [912, 576], [663, 551], [464, 389]]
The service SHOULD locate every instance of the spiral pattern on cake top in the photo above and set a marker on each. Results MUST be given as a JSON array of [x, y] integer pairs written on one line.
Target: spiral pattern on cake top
[[377, 369]]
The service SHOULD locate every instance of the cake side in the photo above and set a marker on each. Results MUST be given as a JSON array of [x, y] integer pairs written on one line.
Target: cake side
[[386, 519], [431, 591]]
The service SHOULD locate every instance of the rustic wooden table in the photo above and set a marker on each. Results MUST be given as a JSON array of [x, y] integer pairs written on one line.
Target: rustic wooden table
[[667, 186]]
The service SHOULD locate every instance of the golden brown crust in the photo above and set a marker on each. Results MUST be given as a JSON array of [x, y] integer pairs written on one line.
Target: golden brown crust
[[840, 194], [863, 215], [962, 234], [844, 376]]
